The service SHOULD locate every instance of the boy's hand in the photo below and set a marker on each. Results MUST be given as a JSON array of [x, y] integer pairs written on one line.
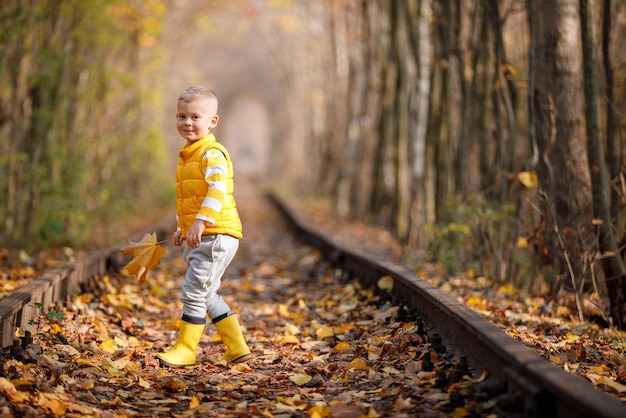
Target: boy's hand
[[195, 234], [177, 238]]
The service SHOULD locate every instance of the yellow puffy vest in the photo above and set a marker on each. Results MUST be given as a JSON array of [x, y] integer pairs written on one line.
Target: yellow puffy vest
[[192, 189]]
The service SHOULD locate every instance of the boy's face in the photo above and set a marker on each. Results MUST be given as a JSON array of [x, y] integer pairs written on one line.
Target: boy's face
[[195, 119]]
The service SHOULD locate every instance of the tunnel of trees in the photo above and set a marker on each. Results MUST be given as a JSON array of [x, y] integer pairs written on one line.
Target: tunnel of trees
[[486, 134]]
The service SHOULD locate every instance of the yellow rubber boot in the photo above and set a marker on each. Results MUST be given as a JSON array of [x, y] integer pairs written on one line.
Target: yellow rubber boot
[[229, 330], [183, 353]]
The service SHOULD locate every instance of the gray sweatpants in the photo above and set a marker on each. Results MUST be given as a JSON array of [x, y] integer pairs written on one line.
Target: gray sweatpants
[[206, 266]]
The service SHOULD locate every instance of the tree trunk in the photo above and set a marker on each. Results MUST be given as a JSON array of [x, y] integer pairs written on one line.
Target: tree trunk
[[420, 13], [614, 269], [557, 130], [384, 176], [355, 102]]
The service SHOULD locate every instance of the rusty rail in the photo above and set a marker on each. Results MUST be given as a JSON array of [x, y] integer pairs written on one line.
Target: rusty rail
[[537, 387], [25, 305]]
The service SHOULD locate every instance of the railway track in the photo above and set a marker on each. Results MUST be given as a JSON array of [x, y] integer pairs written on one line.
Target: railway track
[[535, 388], [527, 384], [56, 286]]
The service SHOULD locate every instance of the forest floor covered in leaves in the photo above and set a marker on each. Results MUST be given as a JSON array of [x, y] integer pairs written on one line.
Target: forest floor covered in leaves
[[321, 347]]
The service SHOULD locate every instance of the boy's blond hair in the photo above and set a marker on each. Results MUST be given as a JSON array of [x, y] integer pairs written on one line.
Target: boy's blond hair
[[193, 93]]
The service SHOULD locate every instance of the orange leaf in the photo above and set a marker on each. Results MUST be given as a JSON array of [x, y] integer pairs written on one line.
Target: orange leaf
[[357, 364], [146, 255]]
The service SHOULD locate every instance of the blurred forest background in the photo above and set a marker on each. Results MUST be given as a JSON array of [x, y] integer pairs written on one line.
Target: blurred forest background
[[488, 135]]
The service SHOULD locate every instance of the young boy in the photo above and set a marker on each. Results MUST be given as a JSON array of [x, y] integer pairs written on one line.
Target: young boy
[[209, 228]]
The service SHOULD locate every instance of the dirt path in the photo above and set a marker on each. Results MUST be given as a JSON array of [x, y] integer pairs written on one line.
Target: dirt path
[[319, 347]]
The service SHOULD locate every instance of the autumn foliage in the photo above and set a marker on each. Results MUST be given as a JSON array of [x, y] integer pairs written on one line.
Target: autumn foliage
[[146, 255]]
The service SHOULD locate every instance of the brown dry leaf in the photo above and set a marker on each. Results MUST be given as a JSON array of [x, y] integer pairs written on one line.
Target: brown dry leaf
[[146, 255], [374, 352]]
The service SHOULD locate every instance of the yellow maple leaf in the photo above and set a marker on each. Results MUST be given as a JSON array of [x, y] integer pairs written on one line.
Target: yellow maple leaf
[[528, 179], [146, 255]]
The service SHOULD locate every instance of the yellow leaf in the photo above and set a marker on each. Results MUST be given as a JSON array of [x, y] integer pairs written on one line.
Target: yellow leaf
[[319, 411], [55, 407], [242, 367], [283, 310], [122, 362], [391, 370], [341, 346], [293, 404], [602, 368], [289, 339], [386, 283], [109, 366], [291, 329], [85, 385], [23, 383], [156, 302], [348, 305], [616, 386], [477, 303], [324, 332], [144, 384], [88, 363], [146, 255], [507, 289], [343, 328], [528, 178], [562, 311], [194, 402], [107, 282], [108, 346], [300, 379], [8, 389], [55, 329], [483, 376], [460, 413]]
